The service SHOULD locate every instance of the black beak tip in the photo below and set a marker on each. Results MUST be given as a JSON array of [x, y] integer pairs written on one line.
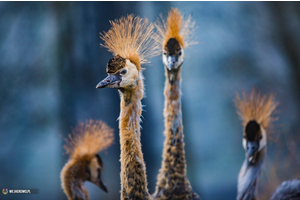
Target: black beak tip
[[104, 188], [102, 185]]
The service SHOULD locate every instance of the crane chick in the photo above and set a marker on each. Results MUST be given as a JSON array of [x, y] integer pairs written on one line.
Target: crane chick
[[84, 163], [173, 36], [256, 112], [131, 40]]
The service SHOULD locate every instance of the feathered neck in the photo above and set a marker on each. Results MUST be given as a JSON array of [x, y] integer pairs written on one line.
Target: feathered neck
[[172, 182], [172, 90], [72, 177], [133, 170], [248, 177]]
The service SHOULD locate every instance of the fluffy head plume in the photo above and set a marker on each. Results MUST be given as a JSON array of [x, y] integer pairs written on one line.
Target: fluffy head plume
[[88, 139], [256, 107], [176, 27], [131, 38]]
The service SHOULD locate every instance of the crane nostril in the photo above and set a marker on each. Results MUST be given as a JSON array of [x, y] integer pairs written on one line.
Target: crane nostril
[[107, 81]]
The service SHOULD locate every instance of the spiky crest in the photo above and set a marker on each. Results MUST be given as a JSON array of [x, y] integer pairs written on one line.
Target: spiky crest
[[88, 139], [131, 38], [176, 27], [256, 107]]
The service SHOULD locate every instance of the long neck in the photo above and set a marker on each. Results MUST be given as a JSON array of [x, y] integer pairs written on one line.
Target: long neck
[[72, 182], [133, 170], [174, 144], [248, 177], [173, 169]]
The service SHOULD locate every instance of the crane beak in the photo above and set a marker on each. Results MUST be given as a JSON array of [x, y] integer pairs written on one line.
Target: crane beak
[[101, 184], [111, 81], [171, 62], [252, 148]]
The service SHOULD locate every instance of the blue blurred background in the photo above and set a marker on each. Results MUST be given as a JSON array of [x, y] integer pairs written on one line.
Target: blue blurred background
[[51, 61]]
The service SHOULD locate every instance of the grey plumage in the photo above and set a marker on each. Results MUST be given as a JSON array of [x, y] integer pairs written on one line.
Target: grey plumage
[[247, 180], [287, 190], [256, 112]]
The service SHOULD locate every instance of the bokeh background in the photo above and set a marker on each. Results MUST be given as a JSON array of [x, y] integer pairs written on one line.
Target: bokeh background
[[51, 61]]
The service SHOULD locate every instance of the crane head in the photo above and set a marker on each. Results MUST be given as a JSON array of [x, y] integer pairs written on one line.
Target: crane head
[[93, 173], [122, 73], [173, 55], [254, 140]]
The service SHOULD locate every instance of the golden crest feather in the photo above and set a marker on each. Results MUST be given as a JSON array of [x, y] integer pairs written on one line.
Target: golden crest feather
[[256, 107], [88, 139], [176, 27], [131, 38]]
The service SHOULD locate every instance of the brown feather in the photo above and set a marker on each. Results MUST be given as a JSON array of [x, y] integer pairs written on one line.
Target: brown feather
[[88, 139], [172, 182], [176, 27], [131, 38], [256, 107], [133, 169], [72, 178]]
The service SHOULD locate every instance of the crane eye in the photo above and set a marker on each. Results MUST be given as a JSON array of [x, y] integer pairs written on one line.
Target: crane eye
[[165, 53], [123, 72], [260, 137], [179, 54]]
